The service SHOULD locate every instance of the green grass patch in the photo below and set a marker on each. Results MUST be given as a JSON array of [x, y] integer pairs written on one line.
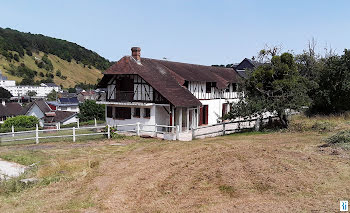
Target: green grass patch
[[24, 157], [228, 190]]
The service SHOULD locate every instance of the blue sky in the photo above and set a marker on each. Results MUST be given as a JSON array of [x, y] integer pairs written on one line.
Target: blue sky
[[203, 32]]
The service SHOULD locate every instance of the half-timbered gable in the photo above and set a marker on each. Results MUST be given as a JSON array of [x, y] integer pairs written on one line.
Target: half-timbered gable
[[171, 93]]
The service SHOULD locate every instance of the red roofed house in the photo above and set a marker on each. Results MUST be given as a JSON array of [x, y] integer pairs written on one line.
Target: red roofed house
[[152, 91]]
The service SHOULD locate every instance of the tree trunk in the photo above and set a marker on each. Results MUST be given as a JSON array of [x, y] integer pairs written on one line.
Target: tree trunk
[[283, 119]]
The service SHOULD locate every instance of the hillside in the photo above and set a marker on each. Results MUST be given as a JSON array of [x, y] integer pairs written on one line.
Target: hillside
[[37, 58]]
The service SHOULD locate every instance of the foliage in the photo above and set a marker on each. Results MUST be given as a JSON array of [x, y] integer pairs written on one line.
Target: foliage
[[84, 123], [114, 134], [4, 93], [22, 121], [273, 87], [340, 137], [13, 40], [90, 110], [72, 90], [85, 86], [333, 86], [31, 93], [52, 96]]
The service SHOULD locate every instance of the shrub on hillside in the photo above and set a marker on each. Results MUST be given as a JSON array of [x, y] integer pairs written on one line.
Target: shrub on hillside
[[22, 121]]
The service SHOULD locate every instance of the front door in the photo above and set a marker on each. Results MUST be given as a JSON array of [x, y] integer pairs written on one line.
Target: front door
[[203, 115]]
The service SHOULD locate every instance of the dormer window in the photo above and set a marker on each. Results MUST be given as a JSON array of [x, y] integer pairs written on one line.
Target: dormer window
[[208, 86]]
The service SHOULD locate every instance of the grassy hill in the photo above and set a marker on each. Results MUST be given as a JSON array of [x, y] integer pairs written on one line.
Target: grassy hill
[[39, 58]]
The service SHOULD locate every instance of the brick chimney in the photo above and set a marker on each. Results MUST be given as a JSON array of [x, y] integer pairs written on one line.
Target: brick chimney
[[136, 53]]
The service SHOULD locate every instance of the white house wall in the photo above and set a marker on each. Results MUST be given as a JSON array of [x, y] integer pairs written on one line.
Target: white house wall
[[133, 120], [215, 109], [198, 89], [71, 120], [35, 111]]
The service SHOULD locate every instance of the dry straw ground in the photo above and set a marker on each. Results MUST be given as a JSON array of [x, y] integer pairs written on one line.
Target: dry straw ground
[[252, 172]]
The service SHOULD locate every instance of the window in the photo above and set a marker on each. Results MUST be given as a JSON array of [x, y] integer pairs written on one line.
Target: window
[[208, 86], [137, 112], [147, 113], [109, 112], [234, 87], [186, 84], [122, 113]]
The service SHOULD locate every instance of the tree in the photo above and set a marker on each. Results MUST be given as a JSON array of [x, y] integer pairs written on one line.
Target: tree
[[27, 81], [90, 110], [52, 96], [31, 93], [273, 87], [333, 89], [58, 73], [4, 93], [72, 90]]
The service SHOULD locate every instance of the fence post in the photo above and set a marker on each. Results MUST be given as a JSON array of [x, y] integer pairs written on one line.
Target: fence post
[[155, 130], [95, 122], [59, 125], [13, 131], [223, 128], [108, 132], [73, 134], [78, 123], [177, 132], [193, 133], [37, 134], [138, 128]]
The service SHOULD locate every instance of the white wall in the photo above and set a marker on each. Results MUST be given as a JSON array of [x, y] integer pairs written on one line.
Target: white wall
[[198, 89], [23, 90], [35, 111], [133, 120], [68, 108], [71, 120], [215, 108]]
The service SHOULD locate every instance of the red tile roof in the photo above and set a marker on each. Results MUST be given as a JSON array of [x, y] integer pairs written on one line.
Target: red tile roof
[[168, 77]]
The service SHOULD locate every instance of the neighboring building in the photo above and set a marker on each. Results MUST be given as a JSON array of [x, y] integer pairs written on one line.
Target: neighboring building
[[65, 104], [245, 65], [62, 117], [153, 91], [38, 109], [87, 95], [4, 82], [41, 91], [8, 110]]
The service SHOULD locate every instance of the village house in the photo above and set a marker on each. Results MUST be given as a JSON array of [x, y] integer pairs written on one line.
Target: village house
[[65, 104], [8, 110], [162, 92]]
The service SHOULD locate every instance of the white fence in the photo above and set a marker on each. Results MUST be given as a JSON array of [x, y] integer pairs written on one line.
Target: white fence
[[37, 135], [161, 131]]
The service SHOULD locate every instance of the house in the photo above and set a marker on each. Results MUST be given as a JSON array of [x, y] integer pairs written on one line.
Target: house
[[38, 109], [152, 91], [8, 110], [63, 117], [87, 95], [65, 104], [245, 65]]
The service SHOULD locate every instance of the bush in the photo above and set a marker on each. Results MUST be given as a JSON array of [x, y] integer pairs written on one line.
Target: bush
[[114, 133], [339, 138], [21, 121]]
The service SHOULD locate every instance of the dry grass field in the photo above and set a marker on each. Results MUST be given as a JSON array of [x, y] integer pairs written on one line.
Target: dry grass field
[[283, 171]]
